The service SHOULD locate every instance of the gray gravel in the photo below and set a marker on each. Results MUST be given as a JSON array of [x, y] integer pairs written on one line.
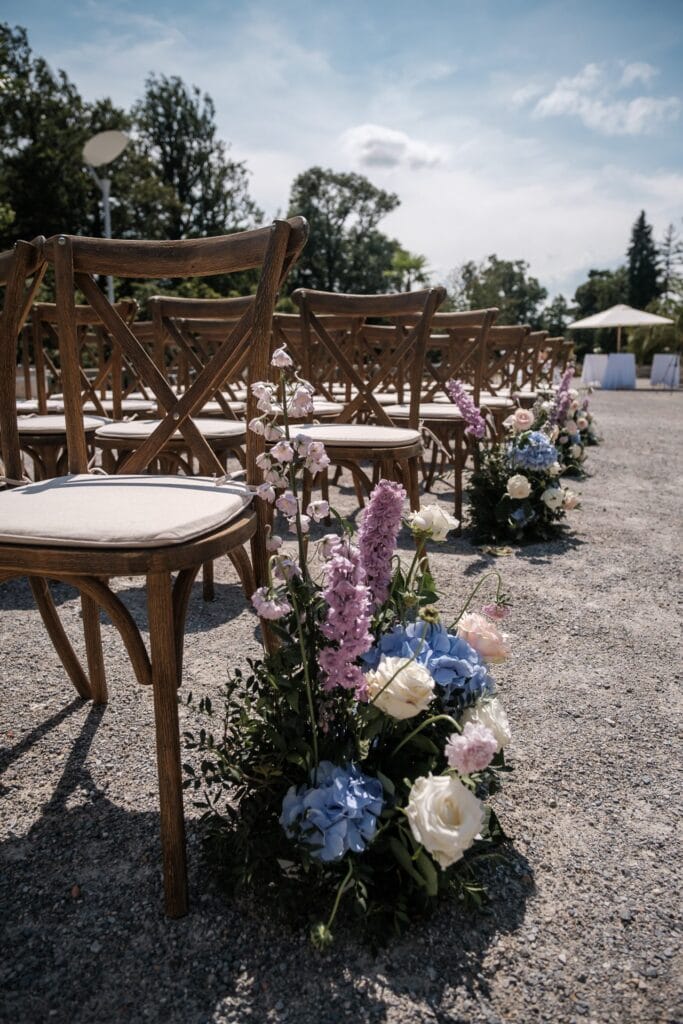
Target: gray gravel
[[583, 923]]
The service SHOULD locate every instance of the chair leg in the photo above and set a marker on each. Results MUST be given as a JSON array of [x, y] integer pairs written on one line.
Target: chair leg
[[165, 684], [413, 487], [93, 649], [208, 590], [48, 613]]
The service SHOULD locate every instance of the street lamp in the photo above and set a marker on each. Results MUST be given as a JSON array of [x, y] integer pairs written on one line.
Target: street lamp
[[101, 149]]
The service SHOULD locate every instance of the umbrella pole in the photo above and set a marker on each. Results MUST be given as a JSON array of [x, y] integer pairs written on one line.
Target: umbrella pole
[[618, 339]]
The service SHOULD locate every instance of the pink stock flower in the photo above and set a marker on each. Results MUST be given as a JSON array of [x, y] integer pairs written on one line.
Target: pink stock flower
[[347, 620], [269, 606], [281, 358], [484, 637], [287, 504], [476, 425], [377, 536], [496, 611], [472, 750]]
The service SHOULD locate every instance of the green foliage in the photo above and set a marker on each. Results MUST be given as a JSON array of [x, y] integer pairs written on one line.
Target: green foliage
[[505, 284], [556, 315], [671, 262], [345, 252], [407, 269], [491, 508], [642, 269]]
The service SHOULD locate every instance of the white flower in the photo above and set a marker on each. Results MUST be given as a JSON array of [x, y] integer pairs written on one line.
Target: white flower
[[282, 451], [445, 816], [553, 498], [281, 358], [518, 486], [490, 713], [576, 451], [552, 436], [400, 687], [571, 499], [573, 394], [287, 504], [266, 492], [257, 426], [274, 543], [555, 469], [522, 419], [305, 524], [273, 432], [318, 509], [263, 460], [433, 521], [275, 478]]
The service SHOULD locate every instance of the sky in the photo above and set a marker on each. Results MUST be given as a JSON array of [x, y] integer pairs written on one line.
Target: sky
[[535, 131]]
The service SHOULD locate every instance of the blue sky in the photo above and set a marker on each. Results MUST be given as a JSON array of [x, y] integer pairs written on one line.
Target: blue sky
[[532, 130]]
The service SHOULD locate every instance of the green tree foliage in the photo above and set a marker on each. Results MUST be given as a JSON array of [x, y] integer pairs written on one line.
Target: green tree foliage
[[502, 283], [407, 270], [43, 125], [176, 129], [556, 315], [671, 261], [345, 252], [642, 269]]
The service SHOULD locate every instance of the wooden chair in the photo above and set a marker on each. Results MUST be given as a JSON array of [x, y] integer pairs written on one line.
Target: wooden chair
[[85, 529], [530, 368], [368, 358]]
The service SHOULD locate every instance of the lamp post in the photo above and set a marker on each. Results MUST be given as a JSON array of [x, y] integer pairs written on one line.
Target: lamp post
[[98, 151]]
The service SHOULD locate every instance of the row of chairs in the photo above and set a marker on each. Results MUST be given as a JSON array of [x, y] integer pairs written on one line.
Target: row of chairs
[[378, 364]]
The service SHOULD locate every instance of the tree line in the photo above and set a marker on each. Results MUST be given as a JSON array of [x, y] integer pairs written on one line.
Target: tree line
[[177, 179]]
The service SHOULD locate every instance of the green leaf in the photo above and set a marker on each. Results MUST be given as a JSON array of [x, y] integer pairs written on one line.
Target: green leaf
[[387, 784], [426, 868], [403, 857]]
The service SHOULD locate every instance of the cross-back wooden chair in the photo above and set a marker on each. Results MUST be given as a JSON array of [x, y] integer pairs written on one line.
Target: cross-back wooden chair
[[566, 355], [499, 372], [530, 368], [85, 529], [367, 361], [454, 350]]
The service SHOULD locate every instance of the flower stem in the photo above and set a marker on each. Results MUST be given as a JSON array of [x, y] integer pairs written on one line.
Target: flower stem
[[421, 726], [340, 893], [304, 664], [473, 593]]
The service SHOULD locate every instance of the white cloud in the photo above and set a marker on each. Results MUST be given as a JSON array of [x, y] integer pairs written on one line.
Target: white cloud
[[373, 145], [590, 97]]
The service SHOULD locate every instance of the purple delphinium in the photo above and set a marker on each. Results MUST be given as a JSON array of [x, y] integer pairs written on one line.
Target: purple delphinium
[[560, 407], [476, 427], [377, 536], [349, 603]]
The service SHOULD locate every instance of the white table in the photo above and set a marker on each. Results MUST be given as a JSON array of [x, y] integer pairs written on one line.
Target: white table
[[666, 369], [620, 374], [594, 366]]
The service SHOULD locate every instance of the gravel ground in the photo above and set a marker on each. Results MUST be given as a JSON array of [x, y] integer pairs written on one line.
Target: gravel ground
[[582, 923]]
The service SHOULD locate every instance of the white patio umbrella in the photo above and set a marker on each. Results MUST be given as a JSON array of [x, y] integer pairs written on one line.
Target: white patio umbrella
[[619, 316]]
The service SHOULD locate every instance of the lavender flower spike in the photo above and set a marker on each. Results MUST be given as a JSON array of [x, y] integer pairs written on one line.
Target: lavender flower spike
[[476, 426], [377, 536], [562, 401], [347, 622]]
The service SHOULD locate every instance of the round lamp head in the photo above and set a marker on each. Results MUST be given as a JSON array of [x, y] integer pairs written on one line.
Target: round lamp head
[[104, 147]]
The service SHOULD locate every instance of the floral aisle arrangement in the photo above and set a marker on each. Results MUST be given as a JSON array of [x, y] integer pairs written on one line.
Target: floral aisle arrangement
[[566, 419], [350, 767], [515, 491]]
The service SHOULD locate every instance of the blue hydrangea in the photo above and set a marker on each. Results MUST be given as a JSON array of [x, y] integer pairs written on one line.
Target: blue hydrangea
[[337, 814], [458, 670], [533, 451]]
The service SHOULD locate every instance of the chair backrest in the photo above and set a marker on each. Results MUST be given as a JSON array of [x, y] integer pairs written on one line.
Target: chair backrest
[[549, 359], [96, 351], [501, 365], [77, 260], [367, 357], [566, 354], [21, 272], [457, 349], [532, 360]]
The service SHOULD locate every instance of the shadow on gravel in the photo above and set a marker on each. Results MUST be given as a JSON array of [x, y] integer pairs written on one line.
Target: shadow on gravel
[[85, 938], [15, 595], [202, 616]]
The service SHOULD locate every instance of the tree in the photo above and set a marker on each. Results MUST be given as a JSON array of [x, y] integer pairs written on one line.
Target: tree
[[670, 259], [43, 126], [556, 316], [643, 271], [345, 251], [501, 283], [177, 133], [407, 269]]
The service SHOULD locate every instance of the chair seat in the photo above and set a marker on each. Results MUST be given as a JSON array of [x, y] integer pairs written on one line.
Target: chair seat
[[495, 402], [361, 435], [140, 430], [213, 408], [118, 511], [428, 411], [128, 405], [55, 424]]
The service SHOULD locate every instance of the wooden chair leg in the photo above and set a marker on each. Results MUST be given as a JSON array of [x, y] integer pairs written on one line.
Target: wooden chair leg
[[208, 590], [165, 684], [48, 613], [413, 487], [93, 649]]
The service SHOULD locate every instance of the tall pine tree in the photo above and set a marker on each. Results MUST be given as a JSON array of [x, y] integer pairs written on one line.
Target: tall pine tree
[[642, 270]]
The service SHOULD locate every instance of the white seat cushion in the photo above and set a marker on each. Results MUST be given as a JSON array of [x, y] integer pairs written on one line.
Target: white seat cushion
[[213, 408], [428, 411], [361, 435], [140, 430], [55, 424], [30, 405], [128, 405], [118, 511], [495, 402]]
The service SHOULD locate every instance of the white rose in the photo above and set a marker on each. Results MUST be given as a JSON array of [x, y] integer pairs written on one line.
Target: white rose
[[518, 486], [553, 498], [553, 435], [571, 499], [576, 451], [445, 816], [490, 713], [400, 687], [432, 520], [573, 394], [555, 469]]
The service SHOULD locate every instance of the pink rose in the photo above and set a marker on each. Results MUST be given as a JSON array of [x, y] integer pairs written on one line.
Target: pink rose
[[472, 750], [523, 419], [484, 637]]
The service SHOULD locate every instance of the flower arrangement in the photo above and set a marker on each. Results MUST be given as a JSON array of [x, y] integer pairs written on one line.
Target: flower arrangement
[[351, 765]]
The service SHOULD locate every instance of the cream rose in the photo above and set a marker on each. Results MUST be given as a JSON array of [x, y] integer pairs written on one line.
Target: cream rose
[[484, 637], [432, 520], [576, 451], [400, 687], [523, 419], [490, 713], [553, 498], [518, 486], [571, 499], [582, 423], [555, 469], [445, 816]]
